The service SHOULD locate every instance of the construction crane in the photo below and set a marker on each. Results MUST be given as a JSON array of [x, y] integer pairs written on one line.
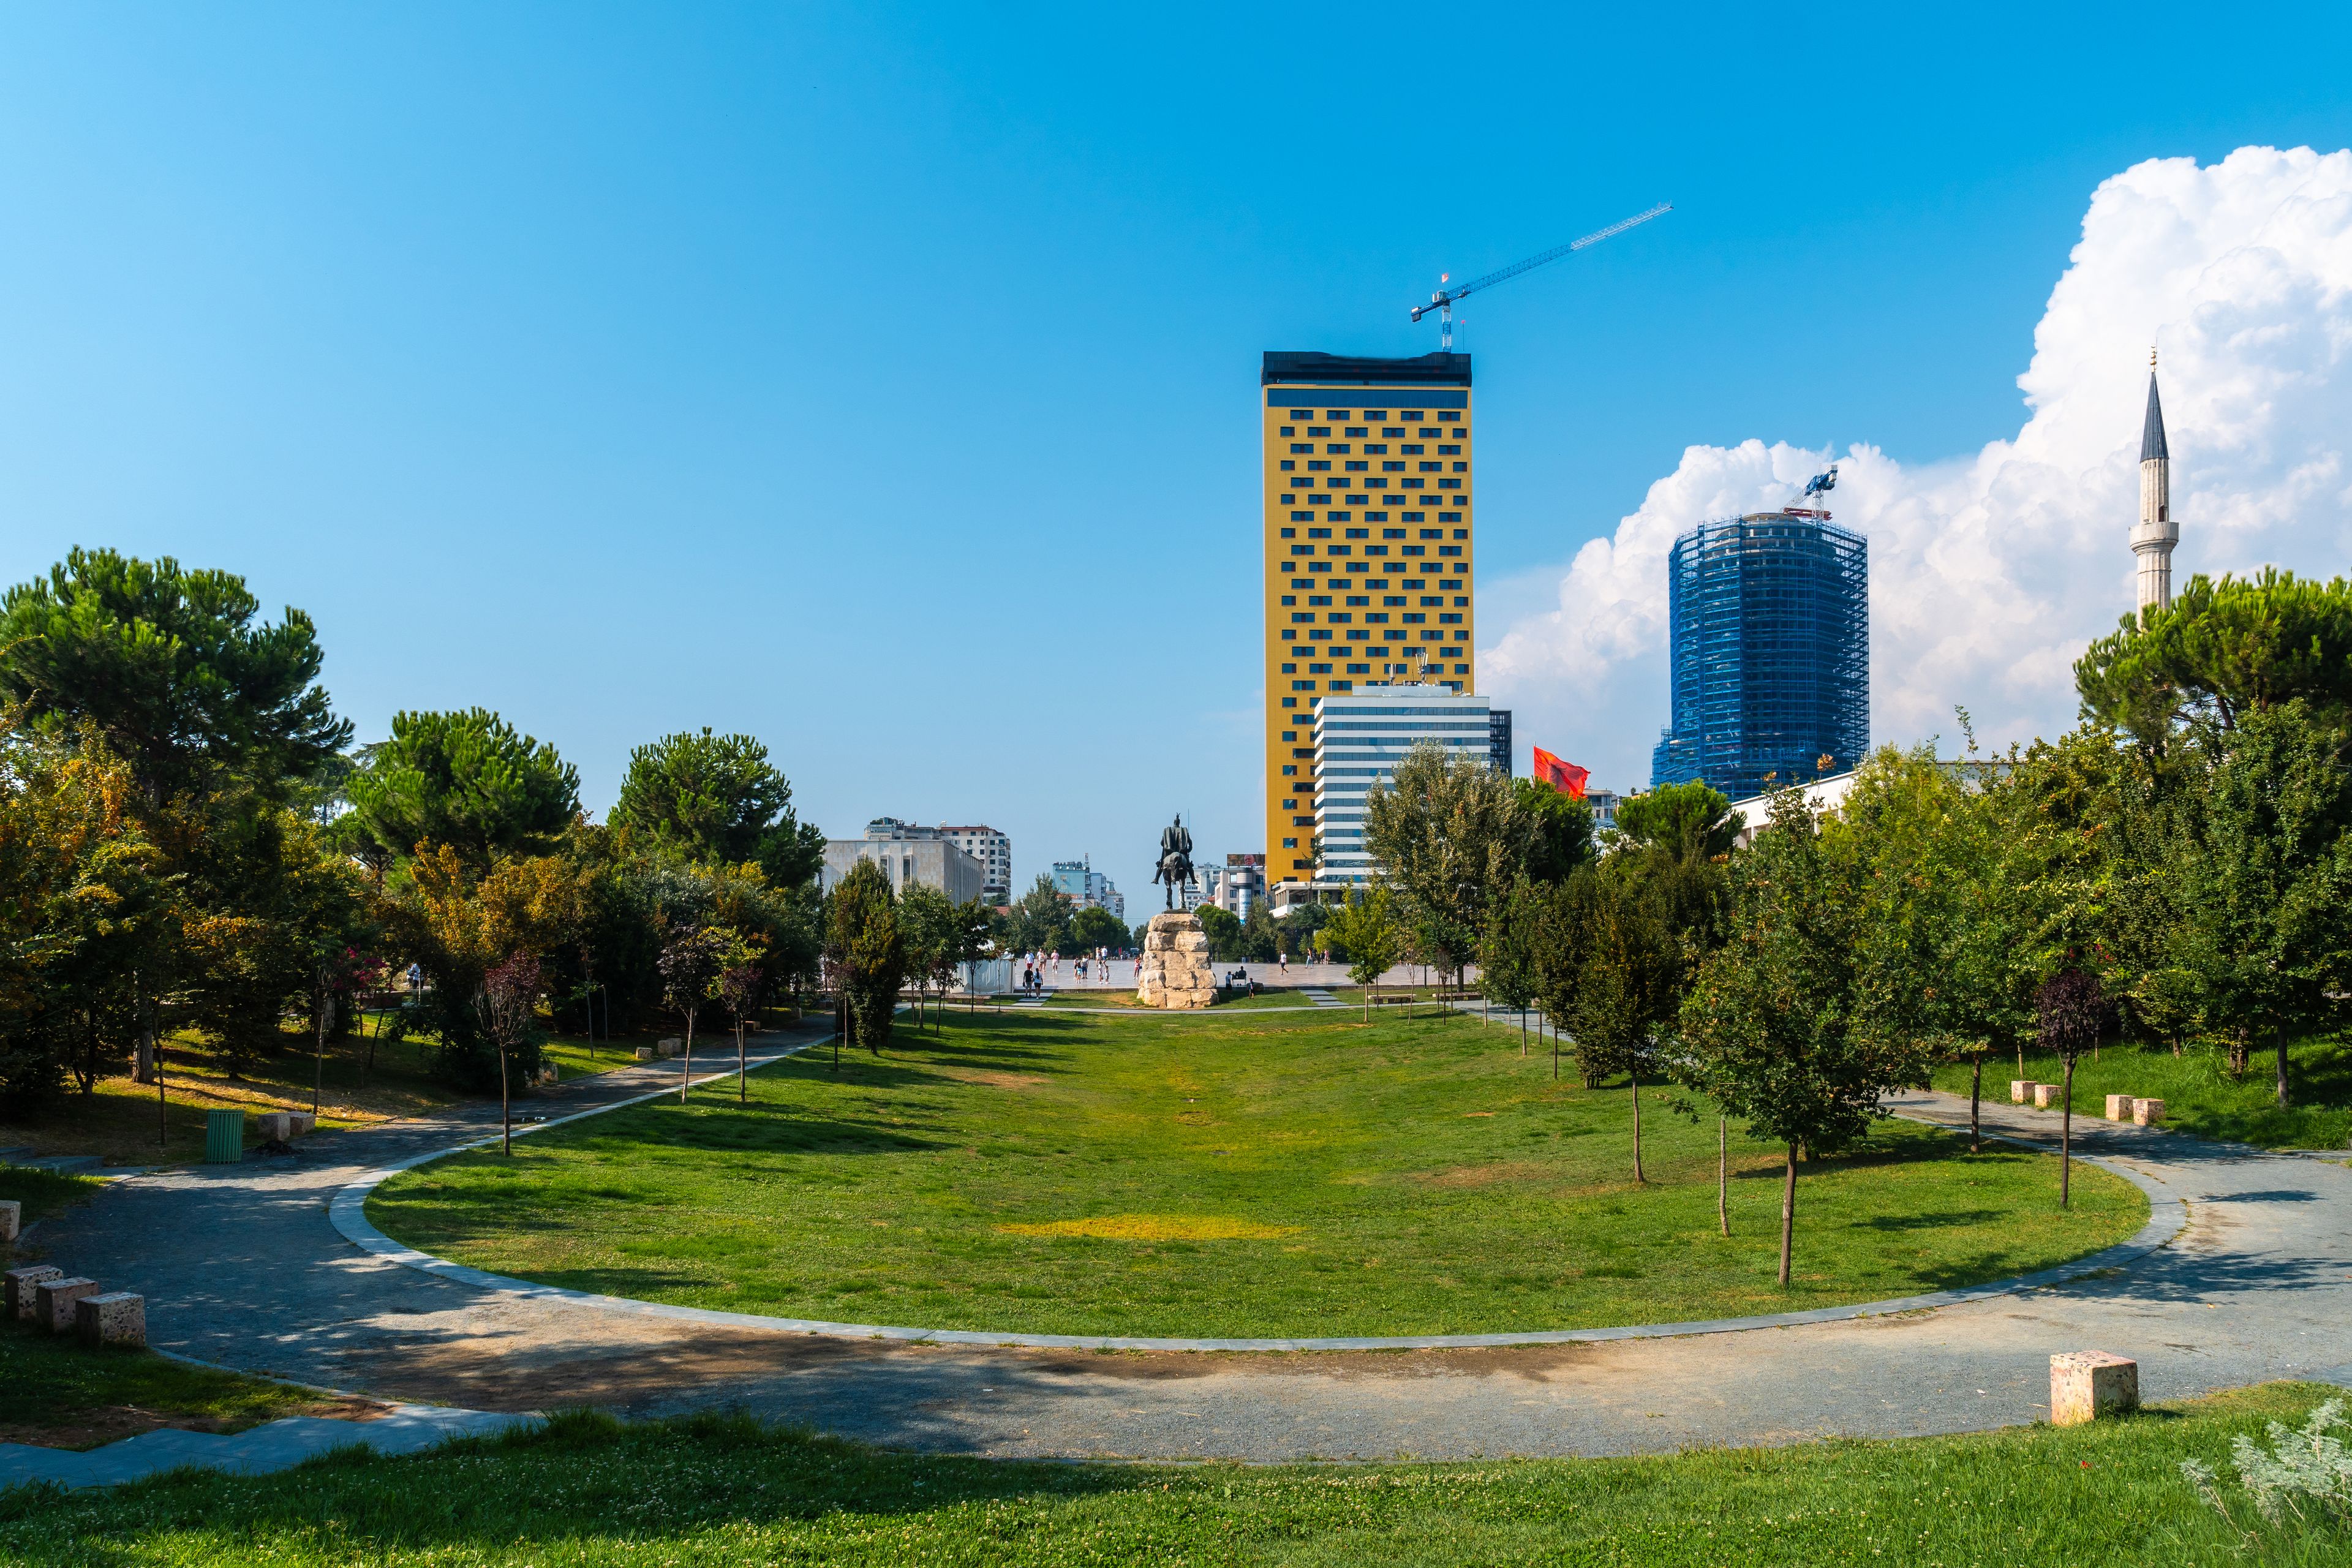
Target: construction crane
[[1443, 300]]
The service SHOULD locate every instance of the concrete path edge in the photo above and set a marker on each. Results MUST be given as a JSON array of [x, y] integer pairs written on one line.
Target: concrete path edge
[[2167, 1218]]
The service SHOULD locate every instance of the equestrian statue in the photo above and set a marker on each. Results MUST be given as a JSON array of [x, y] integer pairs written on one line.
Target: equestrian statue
[[1175, 858]]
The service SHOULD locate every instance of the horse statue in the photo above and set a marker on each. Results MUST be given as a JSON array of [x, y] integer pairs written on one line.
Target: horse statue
[[1175, 858]]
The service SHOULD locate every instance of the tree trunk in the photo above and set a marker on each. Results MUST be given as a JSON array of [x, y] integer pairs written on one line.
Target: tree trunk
[[1636, 1077], [1722, 1173], [506, 1105], [2066, 1139], [2279, 1031], [1554, 1025], [686, 1061], [742, 1073], [1523, 1033], [1788, 1214], [1976, 1098], [319, 1052]]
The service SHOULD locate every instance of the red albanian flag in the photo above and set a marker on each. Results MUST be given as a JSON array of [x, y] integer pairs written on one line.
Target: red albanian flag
[[1565, 777]]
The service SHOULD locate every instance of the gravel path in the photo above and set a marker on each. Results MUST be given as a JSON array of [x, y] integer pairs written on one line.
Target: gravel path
[[241, 1267]]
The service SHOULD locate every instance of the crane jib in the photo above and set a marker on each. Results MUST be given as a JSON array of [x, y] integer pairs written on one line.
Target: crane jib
[[1446, 297]]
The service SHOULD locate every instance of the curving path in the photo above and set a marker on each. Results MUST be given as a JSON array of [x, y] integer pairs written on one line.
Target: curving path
[[243, 1266]]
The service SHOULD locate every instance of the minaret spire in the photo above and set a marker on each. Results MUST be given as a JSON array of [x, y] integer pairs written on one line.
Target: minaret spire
[[2157, 532]]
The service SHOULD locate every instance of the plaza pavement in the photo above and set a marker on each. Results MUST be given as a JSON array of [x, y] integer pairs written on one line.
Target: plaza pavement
[[242, 1267]]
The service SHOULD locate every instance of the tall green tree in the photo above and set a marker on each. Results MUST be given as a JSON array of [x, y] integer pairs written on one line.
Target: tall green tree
[[1771, 1030], [1628, 980], [1450, 837], [2224, 649], [1367, 929], [1506, 953], [1558, 830], [170, 667], [468, 780], [865, 952], [1095, 927], [717, 798], [1691, 820]]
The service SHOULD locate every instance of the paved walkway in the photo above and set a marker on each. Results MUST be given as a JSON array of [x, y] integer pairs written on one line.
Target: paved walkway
[[241, 1266]]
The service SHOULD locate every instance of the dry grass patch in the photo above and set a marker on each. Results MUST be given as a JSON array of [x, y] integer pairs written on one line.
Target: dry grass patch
[[1157, 1227]]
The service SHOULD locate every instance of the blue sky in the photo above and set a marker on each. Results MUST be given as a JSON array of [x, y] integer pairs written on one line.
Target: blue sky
[[880, 380]]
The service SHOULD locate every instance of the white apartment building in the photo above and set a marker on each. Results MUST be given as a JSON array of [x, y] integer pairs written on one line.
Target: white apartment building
[[909, 855], [992, 849], [1359, 738]]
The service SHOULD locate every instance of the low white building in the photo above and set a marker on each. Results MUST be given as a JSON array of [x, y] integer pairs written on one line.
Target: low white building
[[909, 855], [1824, 796]]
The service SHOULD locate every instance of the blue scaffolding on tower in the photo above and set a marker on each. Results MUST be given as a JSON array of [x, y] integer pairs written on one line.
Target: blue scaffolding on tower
[[1771, 650]]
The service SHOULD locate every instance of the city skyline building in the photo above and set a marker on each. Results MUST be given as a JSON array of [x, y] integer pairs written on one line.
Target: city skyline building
[[1768, 642], [2158, 530], [1360, 736], [1087, 887], [992, 849], [1370, 555], [908, 855]]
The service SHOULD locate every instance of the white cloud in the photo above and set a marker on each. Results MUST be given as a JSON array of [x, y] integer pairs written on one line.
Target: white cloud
[[1990, 572]]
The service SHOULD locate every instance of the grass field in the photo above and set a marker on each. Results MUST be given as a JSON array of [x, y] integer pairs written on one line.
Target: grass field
[[2198, 1094], [1238, 1175], [723, 1492], [58, 1394]]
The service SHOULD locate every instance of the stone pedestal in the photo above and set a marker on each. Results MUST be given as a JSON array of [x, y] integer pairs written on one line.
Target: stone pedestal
[[2120, 1107], [2049, 1096], [2087, 1385], [2020, 1090], [2147, 1112], [53, 1303], [1174, 970], [116, 1317], [20, 1282]]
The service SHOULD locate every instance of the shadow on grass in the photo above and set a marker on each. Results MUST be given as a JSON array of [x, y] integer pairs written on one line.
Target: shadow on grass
[[1949, 1218]]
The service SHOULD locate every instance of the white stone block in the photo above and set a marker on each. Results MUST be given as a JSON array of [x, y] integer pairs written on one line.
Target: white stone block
[[2087, 1385], [301, 1123], [53, 1301], [2020, 1090], [277, 1126], [11, 1217], [18, 1285], [2120, 1107], [2049, 1096], [116, 1317], [2147, 1112], [645, 1053]]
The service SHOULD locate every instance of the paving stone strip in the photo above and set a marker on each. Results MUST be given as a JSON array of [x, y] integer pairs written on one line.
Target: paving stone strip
[[273, 1445]]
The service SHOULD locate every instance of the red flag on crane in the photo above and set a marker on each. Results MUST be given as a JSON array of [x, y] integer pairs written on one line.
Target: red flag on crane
[[1565, 777]]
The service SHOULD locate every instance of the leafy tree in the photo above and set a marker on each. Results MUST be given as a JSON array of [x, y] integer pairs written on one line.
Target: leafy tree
[[864, 950], [1295, 932], [738, 990], [466, 780], [939, 935], [1506, 959], [84, 902], [1770, 1028], [1450, 837], [1095, 927], [457, 925], [170, 666], [1038, 920], [2074, 1011], [692, 961], [1692, 820], [2221, 651], [1367, 929], [2253, 860], [510, 997], [1628, 981], [717, 798], [1222, 930], [1559, 830]]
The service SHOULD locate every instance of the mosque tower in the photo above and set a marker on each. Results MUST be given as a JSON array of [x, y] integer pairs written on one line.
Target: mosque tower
[[2157, 532]]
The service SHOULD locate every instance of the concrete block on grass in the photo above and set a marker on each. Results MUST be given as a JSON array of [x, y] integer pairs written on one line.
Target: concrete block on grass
[[18, 1286], [115, 1318], [645, 1053], [301, 1123], [2087, 1385], [12, 1217], [2120, 1107], [2049, 1096], [2020, 1090], [2147, 1112], [671, 1047], [277, 1126], [53, 1301]]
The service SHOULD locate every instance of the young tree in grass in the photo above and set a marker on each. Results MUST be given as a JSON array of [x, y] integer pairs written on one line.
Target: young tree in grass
[[864, 952], [1367, 929], [511, 996], [691, 962], [2073, 1009], [1628, 982], [1506, 955], [739, 987], [1770, 1028]]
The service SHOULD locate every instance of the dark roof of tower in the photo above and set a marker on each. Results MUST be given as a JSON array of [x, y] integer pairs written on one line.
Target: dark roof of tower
[[1430, 369], [2151, 436]]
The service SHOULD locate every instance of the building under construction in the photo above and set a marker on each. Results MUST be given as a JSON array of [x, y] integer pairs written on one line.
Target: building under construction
[[1771, 644]]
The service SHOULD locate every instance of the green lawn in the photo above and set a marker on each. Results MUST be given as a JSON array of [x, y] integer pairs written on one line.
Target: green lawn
[[57, 1393], [2198, 1094], [1245, 1174], [720, 1492]]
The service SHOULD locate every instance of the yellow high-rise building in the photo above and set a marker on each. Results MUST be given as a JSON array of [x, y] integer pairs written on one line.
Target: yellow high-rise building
[[1369, 553]]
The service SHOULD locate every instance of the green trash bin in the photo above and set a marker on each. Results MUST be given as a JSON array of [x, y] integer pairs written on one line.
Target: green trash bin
[[223, 1137]]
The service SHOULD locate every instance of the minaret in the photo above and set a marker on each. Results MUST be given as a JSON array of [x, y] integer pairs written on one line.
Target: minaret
[[2155, 535]]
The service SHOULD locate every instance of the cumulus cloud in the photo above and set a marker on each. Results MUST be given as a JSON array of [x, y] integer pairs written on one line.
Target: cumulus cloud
[[1989, 571]]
